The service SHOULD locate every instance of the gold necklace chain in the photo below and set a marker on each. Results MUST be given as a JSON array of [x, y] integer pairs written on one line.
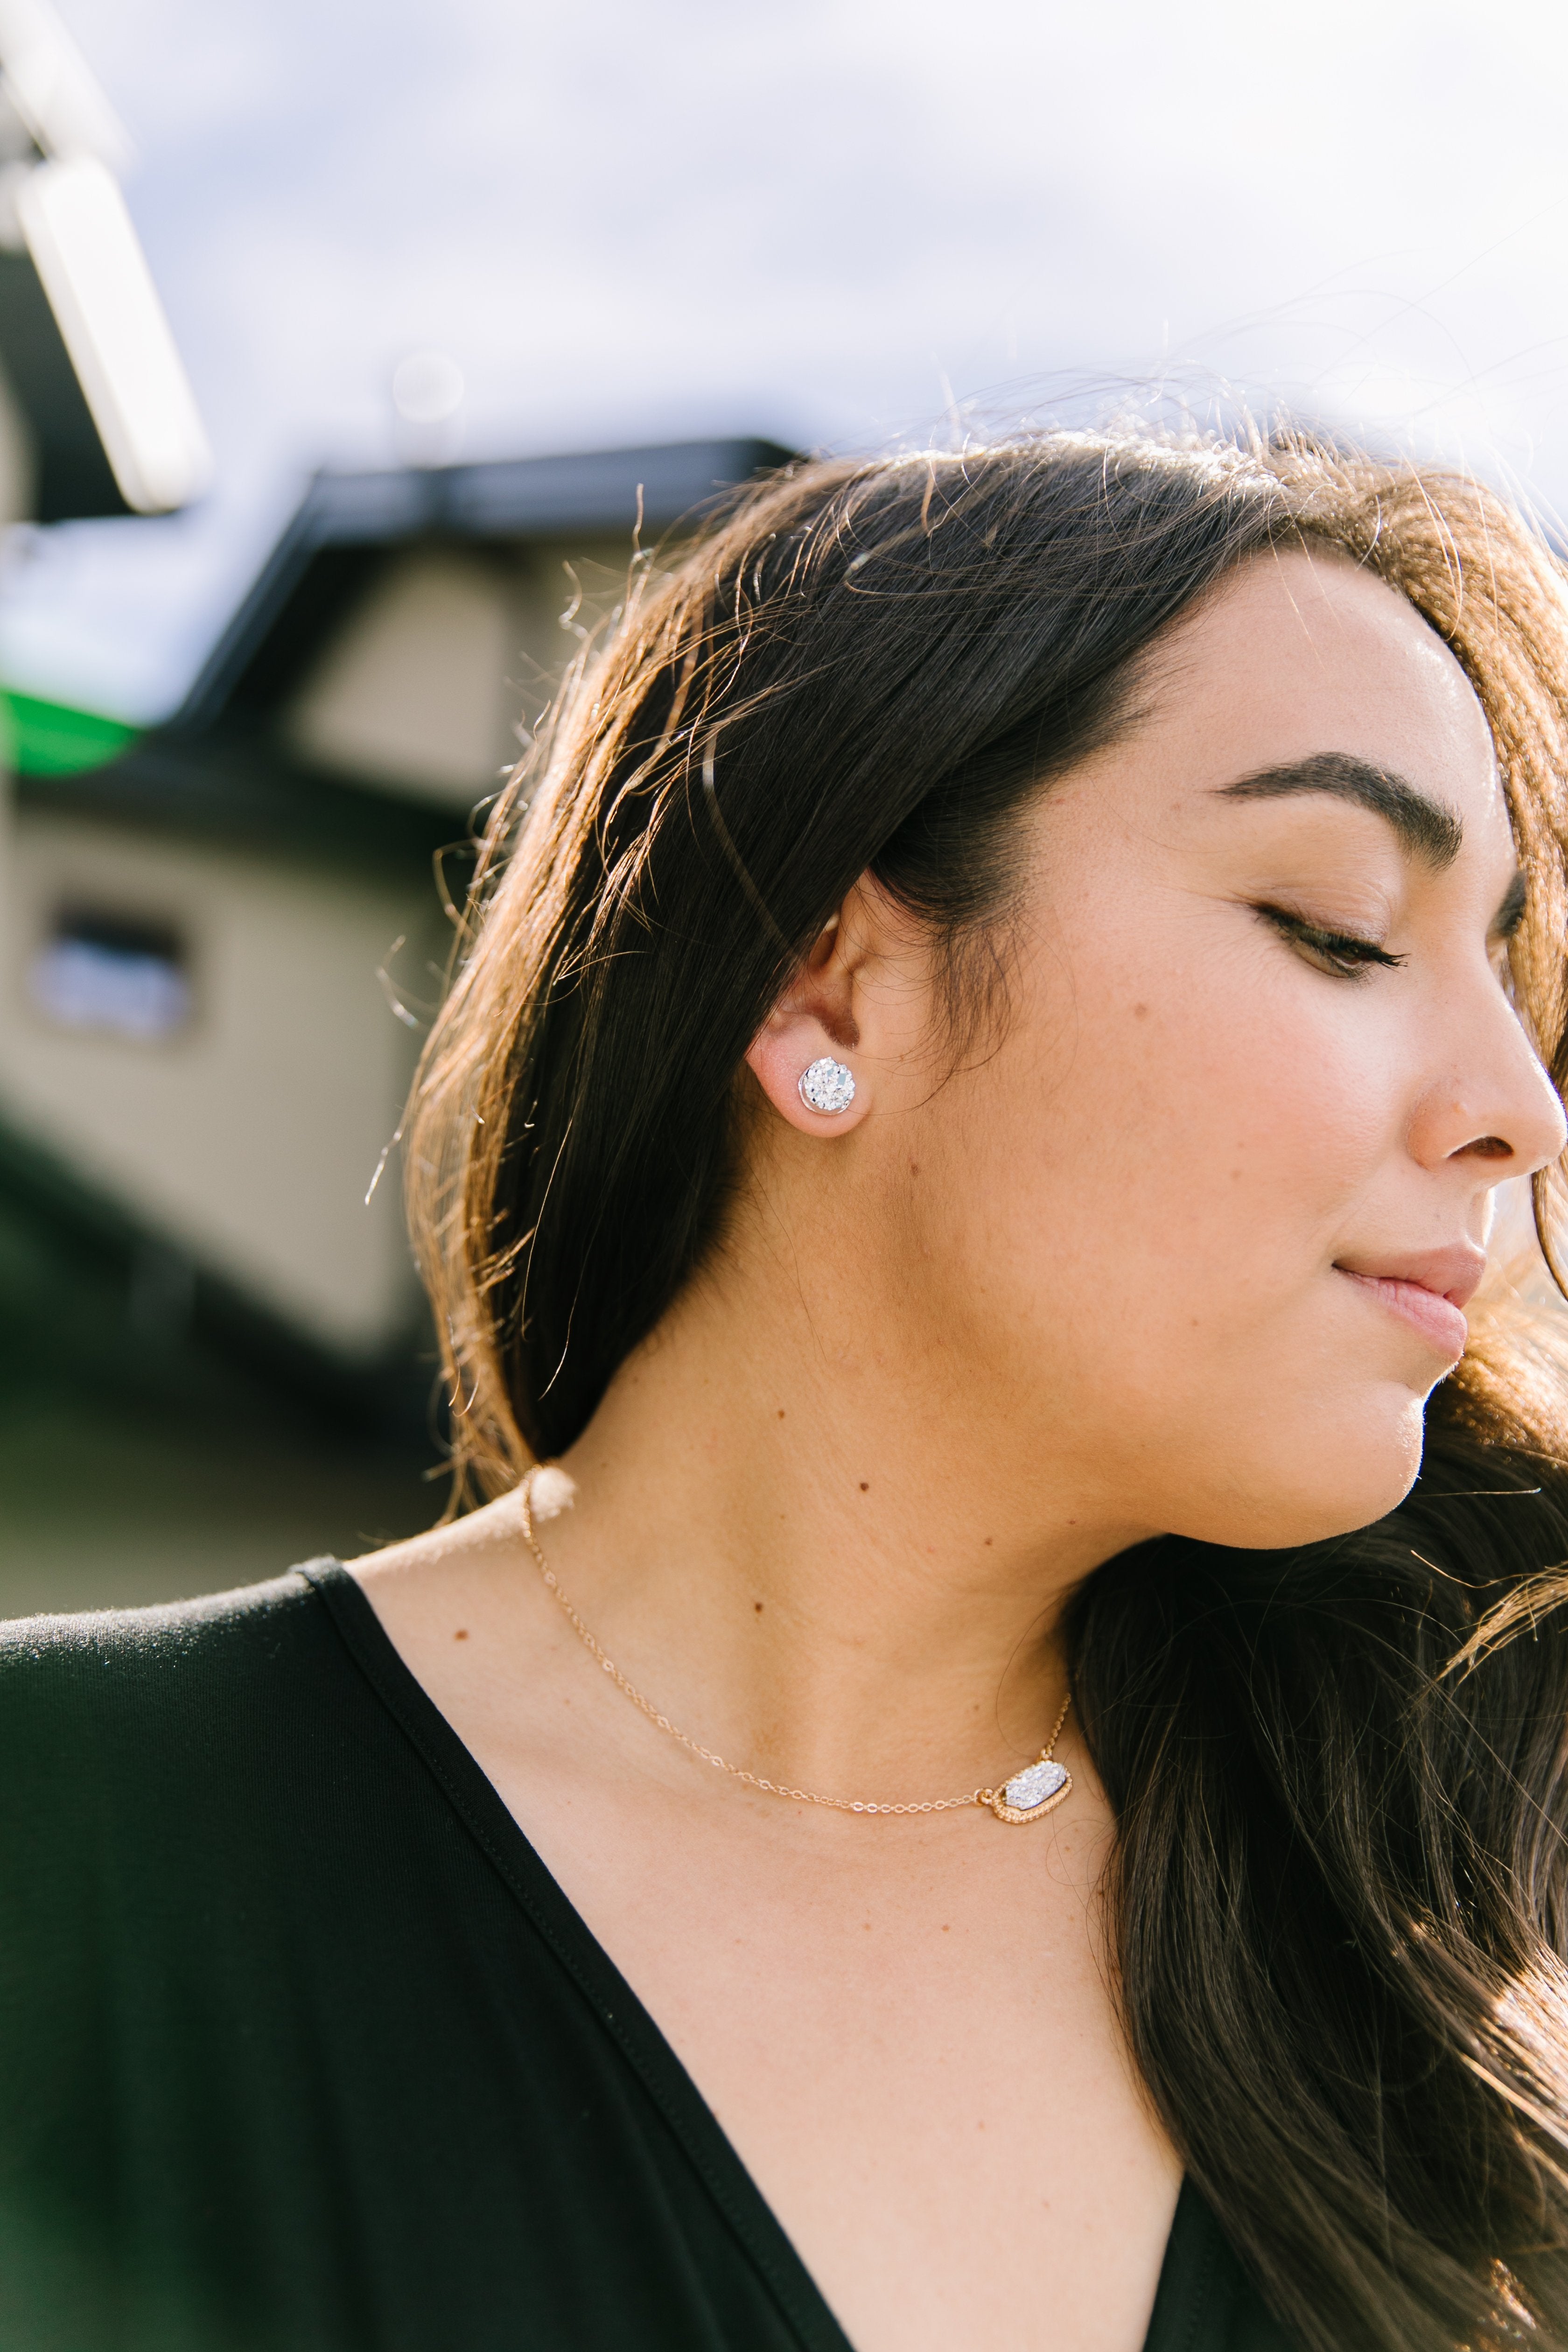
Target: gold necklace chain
[[1002, 1800]]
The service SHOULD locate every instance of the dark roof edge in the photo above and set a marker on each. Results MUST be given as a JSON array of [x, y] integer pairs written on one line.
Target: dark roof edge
[[596, 490]]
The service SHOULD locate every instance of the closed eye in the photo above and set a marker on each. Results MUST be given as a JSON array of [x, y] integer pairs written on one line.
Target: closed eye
[[1510, 914], [1342, 953]]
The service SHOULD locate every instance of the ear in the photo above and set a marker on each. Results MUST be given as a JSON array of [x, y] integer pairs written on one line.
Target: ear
[[815, 1019]]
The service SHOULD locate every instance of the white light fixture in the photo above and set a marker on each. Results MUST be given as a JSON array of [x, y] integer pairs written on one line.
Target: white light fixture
[[100, 291], [50, 84]]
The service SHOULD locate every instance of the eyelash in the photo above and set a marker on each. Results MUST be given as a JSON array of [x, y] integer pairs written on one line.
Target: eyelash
[[1345, 955]]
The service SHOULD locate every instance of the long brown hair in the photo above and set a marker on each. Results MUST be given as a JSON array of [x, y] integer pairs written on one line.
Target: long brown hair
[[1340, 1893]]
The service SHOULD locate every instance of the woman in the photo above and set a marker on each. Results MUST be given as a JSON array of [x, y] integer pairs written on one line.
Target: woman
[[1002, 1800]]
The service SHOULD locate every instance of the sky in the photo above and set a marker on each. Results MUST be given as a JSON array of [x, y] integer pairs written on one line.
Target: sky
[[835, 222]]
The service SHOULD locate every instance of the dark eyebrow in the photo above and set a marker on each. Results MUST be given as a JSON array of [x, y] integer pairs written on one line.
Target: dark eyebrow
[[1433, 833]]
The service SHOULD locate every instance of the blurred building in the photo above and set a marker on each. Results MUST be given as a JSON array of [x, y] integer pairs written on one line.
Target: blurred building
[[221, 938]]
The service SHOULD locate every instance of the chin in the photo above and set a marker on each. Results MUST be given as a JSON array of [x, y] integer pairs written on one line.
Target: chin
[[1331, 1481]]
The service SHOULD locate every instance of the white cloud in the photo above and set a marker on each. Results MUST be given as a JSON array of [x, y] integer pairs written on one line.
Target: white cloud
[[816, 218]]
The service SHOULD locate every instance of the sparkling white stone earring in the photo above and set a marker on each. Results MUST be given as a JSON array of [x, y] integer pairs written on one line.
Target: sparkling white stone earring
[[827, 1086]]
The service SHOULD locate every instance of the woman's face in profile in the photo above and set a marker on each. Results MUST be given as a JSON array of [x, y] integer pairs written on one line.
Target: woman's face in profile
[[1207, 1215]]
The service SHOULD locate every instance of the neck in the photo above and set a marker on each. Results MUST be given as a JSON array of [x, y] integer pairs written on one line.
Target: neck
[[814, 1559]]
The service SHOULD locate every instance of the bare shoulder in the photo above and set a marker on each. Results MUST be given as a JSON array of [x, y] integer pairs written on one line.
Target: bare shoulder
[[443, 1550], [457, 1580], [465, 1609]]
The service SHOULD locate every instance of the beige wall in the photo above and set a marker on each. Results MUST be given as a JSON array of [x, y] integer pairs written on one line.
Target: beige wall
[[421, 690], [411, 695], [251, 1135]]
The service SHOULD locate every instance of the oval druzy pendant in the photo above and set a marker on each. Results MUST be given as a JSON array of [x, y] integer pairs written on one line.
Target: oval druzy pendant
[[1038, 1789]]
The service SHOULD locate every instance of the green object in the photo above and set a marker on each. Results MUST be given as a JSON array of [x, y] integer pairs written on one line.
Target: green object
[[302, 2049], [48, 739]]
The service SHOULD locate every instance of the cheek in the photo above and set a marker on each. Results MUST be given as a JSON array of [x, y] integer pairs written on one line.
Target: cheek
[[1131, 1239], [1186, 1142], [1249, 1111]]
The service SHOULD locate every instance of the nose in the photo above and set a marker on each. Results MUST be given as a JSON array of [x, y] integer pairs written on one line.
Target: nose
[[1496, 1110]]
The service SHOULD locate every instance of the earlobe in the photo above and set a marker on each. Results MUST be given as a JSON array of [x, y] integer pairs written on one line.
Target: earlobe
[[798, 1054], [807, 1083]]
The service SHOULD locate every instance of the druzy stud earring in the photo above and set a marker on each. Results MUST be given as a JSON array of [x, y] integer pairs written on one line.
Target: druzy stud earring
[[827, 1086]]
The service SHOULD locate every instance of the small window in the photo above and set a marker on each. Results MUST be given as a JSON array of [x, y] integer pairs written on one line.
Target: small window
[[117, 974]]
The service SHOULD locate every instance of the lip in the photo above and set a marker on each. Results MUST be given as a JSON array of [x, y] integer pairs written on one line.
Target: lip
[[1427, 1289]]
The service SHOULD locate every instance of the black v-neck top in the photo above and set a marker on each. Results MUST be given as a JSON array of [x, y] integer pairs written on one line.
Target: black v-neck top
[[303, 2050]]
